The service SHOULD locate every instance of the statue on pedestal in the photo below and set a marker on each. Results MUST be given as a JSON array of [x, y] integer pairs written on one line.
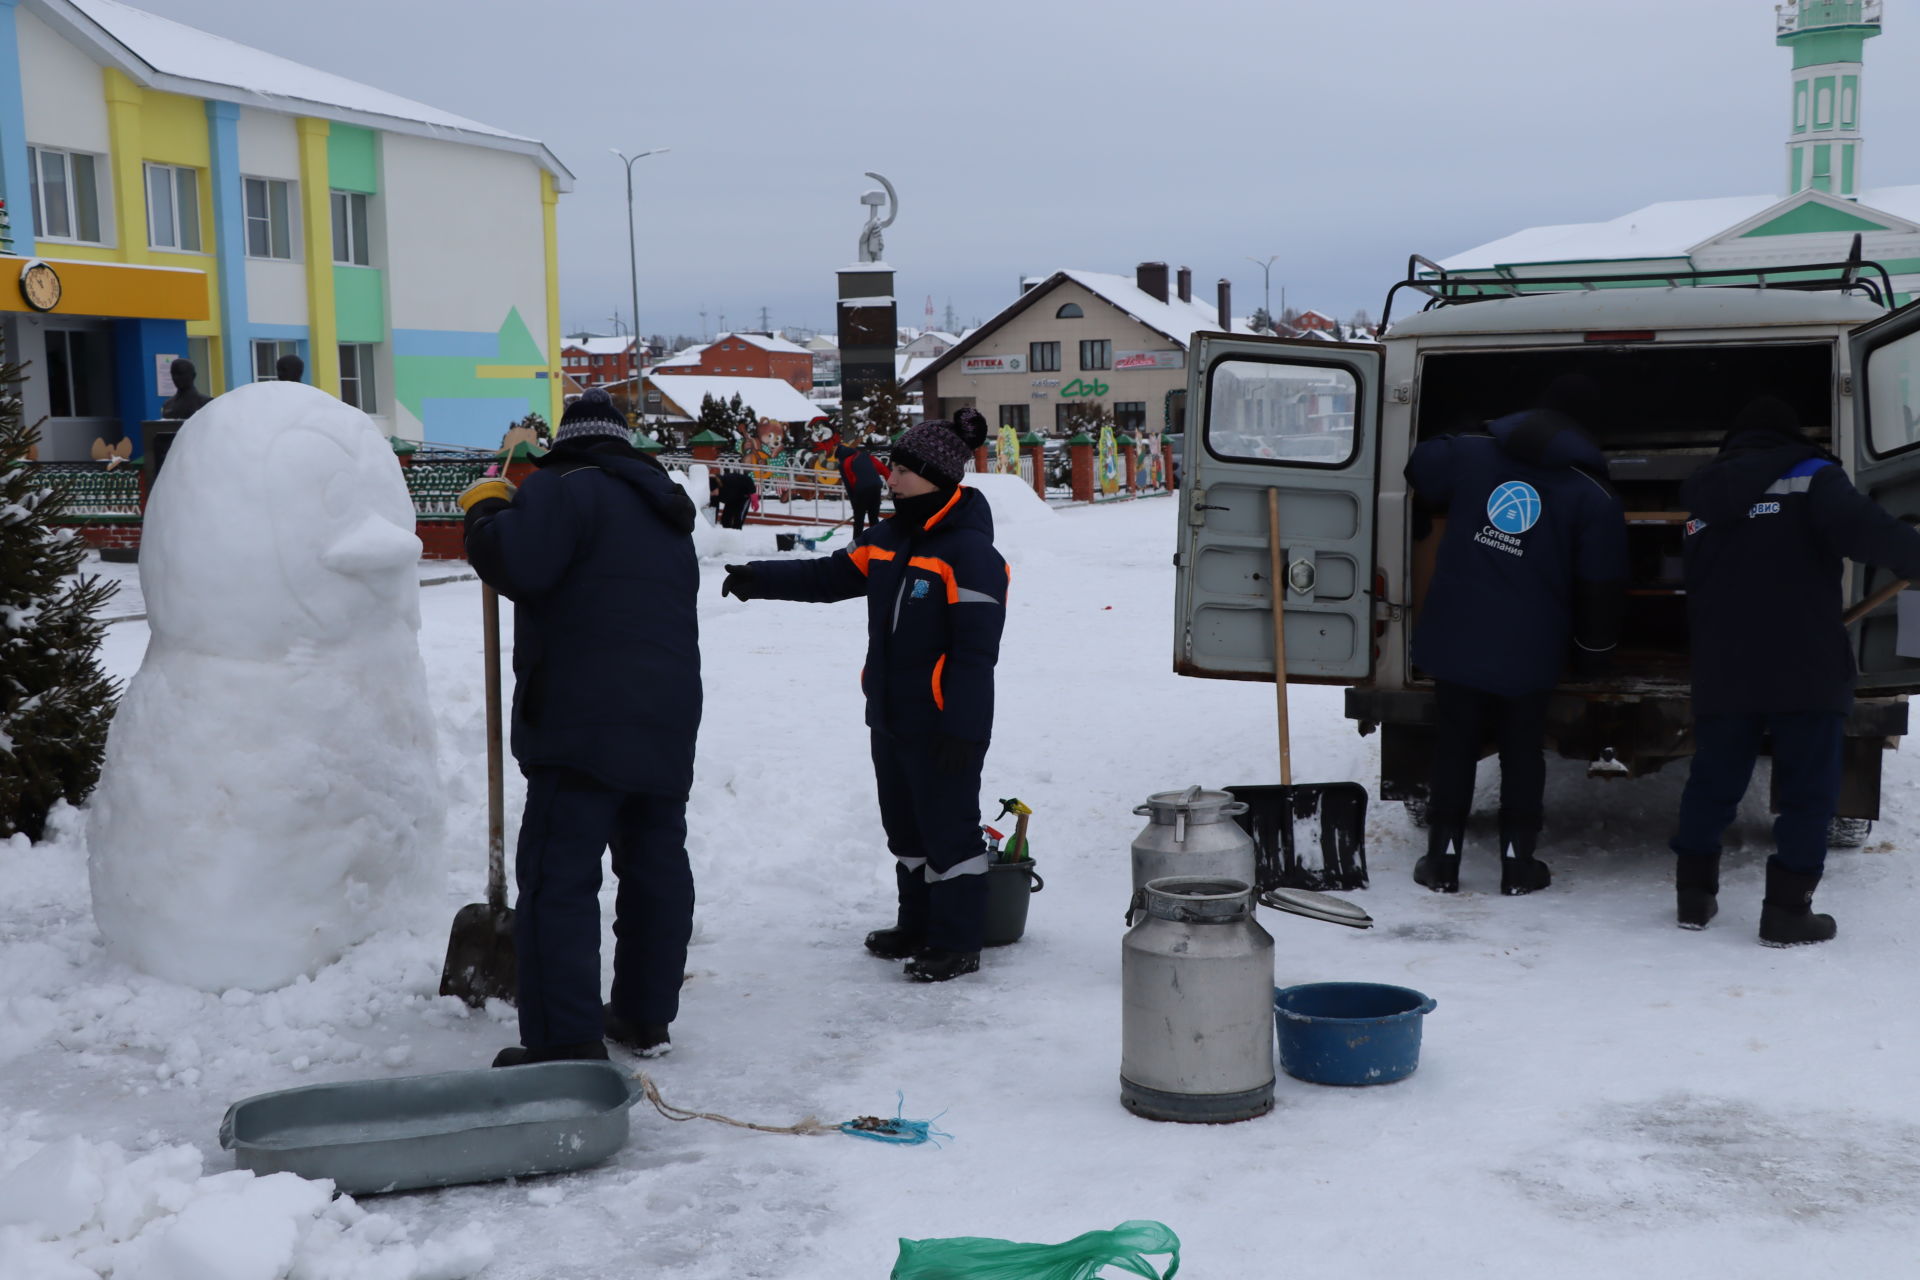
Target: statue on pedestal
[[872, 248], [187, 399]]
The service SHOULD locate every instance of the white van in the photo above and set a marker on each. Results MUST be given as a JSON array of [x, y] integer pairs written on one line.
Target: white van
[[1330, 427]]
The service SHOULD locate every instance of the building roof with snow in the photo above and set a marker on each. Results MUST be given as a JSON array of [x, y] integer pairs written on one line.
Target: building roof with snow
[[599, 346], [774, 399], [173, 57]]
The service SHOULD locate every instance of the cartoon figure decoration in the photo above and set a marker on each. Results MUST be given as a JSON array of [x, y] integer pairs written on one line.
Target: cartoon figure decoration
[[1006, 452], [1146, 465], [1107, 466]]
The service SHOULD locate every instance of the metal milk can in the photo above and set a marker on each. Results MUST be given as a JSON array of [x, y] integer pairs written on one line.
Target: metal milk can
[[1190, 833], [1196, 1026]]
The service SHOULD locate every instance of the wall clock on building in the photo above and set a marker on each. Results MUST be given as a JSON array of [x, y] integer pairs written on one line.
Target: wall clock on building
[[40, 286]]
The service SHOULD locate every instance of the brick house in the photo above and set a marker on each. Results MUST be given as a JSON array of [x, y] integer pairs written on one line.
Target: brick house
[[744, 355]]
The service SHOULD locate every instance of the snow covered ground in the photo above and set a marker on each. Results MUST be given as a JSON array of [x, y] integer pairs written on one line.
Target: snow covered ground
[[1599, 1093]]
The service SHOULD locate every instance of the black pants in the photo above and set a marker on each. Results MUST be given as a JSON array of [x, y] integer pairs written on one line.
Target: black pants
[[1807, 754], [1518, 725], [733, 514], [866, 507], [570, 820], [932, 820]]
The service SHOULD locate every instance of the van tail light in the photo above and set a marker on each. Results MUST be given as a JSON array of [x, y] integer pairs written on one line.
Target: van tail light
[[1379, 596]]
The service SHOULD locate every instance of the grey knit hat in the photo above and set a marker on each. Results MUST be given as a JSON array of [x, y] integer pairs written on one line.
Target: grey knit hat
[[593, 414], [940, 450]]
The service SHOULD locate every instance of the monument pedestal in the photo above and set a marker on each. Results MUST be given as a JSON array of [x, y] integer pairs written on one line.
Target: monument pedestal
[[869, 330]]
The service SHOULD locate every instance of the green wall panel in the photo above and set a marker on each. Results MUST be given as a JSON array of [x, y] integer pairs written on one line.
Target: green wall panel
[[360, 305], [1814, 216], [353, 159], [418, 379]]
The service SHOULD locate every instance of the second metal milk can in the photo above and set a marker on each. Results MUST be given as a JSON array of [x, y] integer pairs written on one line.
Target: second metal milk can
[[1190, 833], [1196, 1025]]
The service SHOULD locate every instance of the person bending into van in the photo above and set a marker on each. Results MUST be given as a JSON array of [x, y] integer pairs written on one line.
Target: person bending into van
[[936, 594], [1531, 567], [1774, 519]]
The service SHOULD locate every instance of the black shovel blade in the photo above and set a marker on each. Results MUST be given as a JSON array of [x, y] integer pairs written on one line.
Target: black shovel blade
[[1309, 835], [481, 963]]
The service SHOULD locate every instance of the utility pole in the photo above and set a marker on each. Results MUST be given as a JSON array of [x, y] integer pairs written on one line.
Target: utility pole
[[764, 326], [1266, 288], [703, 322]]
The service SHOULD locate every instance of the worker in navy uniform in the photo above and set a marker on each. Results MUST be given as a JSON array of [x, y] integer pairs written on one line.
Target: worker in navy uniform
[[936, 595], [863, 476], [596, 552], [1530, 572], [1774, 520]]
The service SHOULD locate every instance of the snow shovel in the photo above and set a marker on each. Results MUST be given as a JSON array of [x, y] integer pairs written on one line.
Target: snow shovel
[[1307, 835], [480, 957]]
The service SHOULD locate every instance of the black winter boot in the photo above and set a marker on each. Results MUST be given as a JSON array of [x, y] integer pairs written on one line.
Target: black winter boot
[[1787, 917], [1520, 871], [1696, 885], [520, 1055], [933, 965], [647, 1039], [908, 937], [1439, 868]]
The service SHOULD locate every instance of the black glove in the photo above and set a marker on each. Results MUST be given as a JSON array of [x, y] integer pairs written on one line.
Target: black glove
[[739, 583], [953, 755]]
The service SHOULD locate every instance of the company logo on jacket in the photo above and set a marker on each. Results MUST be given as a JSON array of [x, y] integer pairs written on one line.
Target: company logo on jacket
[[1514, 507]]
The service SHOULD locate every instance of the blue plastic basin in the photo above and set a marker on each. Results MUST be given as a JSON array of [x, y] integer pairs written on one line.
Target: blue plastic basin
[[1349, 1033]]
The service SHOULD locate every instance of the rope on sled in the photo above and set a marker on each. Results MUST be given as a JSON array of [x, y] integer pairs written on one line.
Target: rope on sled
[[897, 1130]]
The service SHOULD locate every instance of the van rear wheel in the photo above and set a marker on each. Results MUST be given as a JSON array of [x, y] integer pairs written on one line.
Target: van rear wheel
[[1848, 833]]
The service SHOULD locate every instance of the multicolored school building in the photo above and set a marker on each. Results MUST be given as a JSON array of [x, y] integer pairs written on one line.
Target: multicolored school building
[[172, 193]]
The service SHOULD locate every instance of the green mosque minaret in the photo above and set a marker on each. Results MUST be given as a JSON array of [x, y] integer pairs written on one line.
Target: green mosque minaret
[[1827, 37]]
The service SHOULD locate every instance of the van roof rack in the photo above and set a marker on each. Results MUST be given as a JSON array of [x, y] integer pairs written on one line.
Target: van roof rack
[[1446, 288]]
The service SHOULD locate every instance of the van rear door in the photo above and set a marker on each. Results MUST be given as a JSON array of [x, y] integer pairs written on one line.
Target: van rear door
[[1886, 406], [1302, 418]]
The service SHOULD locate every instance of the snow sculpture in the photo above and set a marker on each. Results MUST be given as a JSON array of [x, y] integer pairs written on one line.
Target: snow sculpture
[[270, 794]]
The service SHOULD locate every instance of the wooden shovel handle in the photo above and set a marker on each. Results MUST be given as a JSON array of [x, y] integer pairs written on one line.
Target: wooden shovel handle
[[1874, 601], [1278, 588], [496, 762]]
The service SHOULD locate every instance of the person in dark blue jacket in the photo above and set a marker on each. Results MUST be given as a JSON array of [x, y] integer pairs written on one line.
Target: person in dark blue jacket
[[1774, 520], [1530, 570], [596, 553], [863, 476], [936, 593]]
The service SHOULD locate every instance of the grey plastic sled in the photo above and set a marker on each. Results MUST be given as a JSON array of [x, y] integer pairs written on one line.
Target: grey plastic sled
[[436, 1130]]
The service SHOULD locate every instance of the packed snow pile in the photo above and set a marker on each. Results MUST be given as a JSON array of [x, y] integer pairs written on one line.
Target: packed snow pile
[[78, 1210], [1017, 508], [270, 794]]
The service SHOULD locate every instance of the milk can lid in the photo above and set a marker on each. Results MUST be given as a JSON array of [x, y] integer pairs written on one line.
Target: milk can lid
[[1195, 803], [1317, 906]]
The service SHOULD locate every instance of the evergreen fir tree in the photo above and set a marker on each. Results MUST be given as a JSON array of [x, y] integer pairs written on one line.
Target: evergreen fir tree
[[55, 702], [715, 417]]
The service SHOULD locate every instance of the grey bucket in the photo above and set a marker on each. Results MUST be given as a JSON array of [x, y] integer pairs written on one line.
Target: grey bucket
[[1010, 890], [436, 1130]]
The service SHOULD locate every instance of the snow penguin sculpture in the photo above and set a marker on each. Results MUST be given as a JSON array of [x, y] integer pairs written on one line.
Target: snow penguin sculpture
[[270, 794]]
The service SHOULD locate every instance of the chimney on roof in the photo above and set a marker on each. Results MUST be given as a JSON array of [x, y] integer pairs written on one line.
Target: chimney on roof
[[1186, 284], [1152, 278], [1027, 286], [1226, 305]]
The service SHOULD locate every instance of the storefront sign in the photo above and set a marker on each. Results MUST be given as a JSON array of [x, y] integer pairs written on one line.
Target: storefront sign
[[993, 364], [1149, 360], [1080, 388]]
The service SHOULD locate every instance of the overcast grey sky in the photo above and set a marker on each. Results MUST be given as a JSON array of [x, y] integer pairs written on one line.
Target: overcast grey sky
[[1029, 135]]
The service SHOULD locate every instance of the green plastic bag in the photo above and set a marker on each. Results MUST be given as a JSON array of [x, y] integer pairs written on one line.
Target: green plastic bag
[[1081, 1258]]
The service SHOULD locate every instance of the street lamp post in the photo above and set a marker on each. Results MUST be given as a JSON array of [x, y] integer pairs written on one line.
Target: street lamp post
[[633, 271], [1266, 286]]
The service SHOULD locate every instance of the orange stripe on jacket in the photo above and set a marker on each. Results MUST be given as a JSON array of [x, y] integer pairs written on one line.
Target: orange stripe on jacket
[[939, 696], [933, 564], [941, 514], [861, 555]]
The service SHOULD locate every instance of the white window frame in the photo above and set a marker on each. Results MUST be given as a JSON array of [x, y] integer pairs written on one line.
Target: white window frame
[[357, 360], [36, 179], [267, 372], [288, 204], [176, 225], [355, 231]]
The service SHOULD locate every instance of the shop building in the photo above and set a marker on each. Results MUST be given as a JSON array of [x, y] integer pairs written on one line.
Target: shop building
[[1077, 340], [172, 193]]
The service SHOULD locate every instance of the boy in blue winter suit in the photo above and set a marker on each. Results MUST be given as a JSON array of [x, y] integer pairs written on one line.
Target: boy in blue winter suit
[[1531, 568], [936, 594]]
